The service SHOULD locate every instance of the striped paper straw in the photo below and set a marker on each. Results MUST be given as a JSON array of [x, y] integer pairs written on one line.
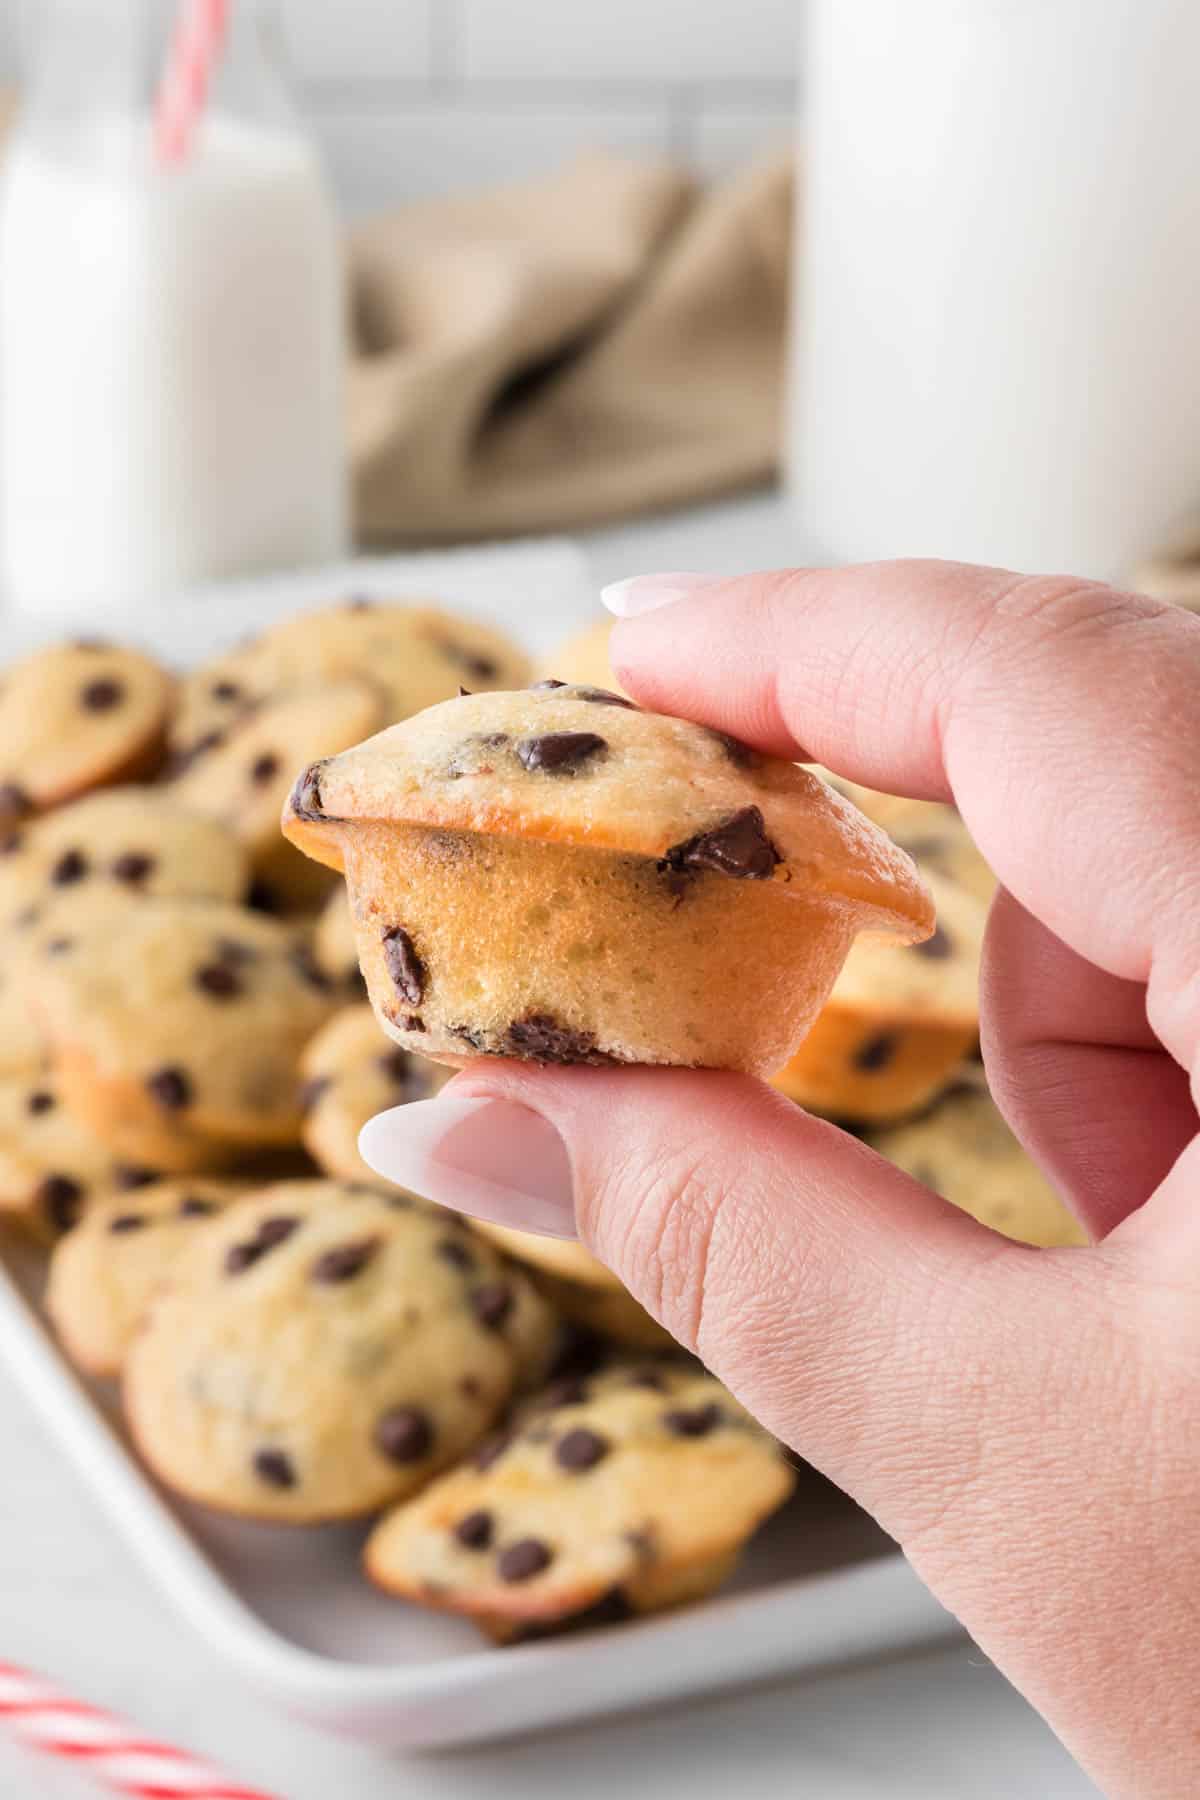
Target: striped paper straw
[[46, 1720], [196, 45]]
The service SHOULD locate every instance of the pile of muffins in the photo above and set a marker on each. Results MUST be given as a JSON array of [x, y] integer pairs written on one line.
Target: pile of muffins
[[187, 1056]]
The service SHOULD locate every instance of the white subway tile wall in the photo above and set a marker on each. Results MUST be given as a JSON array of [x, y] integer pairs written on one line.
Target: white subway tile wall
[[416, 97]]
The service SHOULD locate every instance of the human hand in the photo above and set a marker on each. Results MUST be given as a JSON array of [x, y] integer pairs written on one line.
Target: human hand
[[1026, 1423]]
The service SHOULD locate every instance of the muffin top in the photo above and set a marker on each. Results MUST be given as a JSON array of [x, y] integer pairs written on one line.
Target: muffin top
[[583, 766]]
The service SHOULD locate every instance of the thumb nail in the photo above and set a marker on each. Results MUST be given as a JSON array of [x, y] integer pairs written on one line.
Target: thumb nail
[[492, 1159], [646, 593]]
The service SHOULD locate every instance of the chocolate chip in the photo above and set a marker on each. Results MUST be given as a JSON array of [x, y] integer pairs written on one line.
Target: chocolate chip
[[102, 695], [131, 1175], [545, 687], [225, 690], [877, 1052], [133, 867], [412, 1022], [344, 1261], [40, 1102], [264, 768], [171, 1087], [195, 1206], [741, 755], [14, 803], [404, 1434], [523, 1560], [559, 752], [456, 1253], [404, 965], [60, 1197], [580, 1449], [468, 1035], [58, 946], [313, 1090], [483, 668], [492, 1303], [938, 947], [740, 847], [692, 1422], [270, 1232], [261, 897], [275, 1467], [570, 1390], [539, 1037], [218, 980], [127, 1222], [305, 799], [491, 1450], [71, 867], [599, 696], [308, 968], [474, 1530]]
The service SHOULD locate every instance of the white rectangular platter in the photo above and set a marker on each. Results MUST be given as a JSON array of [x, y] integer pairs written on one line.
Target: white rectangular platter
[[287, 1608]]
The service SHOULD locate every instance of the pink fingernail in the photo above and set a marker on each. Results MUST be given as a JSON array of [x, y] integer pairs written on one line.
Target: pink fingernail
[[646, 593], [491, 1159]]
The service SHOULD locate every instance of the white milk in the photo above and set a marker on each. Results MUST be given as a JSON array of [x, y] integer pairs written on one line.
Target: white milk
[[171, 371], [999, 297]]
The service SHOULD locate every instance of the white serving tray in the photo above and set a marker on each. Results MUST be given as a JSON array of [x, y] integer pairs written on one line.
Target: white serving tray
[[288, 1608]]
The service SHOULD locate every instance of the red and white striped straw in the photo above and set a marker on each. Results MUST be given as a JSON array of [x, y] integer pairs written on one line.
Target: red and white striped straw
[[45, 1719], [195, 49]]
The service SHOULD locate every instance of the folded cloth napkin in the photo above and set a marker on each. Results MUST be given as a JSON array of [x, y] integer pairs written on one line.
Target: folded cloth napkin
[[605, 341]]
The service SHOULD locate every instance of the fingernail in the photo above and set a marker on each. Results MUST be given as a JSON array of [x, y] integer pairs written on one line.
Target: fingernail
[[492, 1159], [646, 593]]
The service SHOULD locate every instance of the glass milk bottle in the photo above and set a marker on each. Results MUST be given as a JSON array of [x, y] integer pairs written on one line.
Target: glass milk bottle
[[171, 332], [999, 280]]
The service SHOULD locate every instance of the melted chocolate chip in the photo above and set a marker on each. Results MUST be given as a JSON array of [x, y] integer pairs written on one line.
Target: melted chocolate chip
[[467, 1035], [40, 1102], [264, 768], [344, 1261], [938, 947], [412, 1022], [195, 1206], [475, 1529], [60, 1199], [741, 755], [692, 1422], [539, 1037], [14, 803], [133, 867], [559, 752], [261, 897], [404, 965], [127, 1222], [404, 1434], [171, 1087], [876, 1052], [313, 1090], [492, 1303], [740, 847], [275, 1467], [218, 981], [580, 1449], [305, 800], [102, 695], [269, 1234], [456, 1253], [523, 1560], [71, 867]]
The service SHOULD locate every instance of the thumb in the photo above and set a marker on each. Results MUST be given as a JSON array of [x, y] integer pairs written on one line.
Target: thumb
[[870, 1326]]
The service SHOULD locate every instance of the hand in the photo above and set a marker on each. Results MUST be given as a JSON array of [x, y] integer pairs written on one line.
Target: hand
[[1026, 1423]]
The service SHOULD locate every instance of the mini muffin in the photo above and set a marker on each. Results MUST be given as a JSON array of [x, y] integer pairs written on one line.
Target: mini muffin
[[74, 717], [121, 843], [559, 876], [176, 1027], [349, 1072], [52, 1166], [335, 945], [105, 1272], [964, 1151], [325, 1348], [623, 1493], [413, 656], [897, 1024], [242, 782]]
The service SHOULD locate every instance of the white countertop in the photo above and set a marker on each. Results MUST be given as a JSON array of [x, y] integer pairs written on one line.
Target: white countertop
[[74, 1605]]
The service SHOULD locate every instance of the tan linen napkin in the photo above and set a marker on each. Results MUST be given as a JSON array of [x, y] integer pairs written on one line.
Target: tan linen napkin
[[603, 342]]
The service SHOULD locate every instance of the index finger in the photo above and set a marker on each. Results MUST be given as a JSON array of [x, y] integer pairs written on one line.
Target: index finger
[[1061, 716]]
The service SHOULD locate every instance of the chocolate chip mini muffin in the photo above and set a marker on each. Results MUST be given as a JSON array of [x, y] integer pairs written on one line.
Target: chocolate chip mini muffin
[[335, 945], [52, 1166], [176, 1027], [105, 1272], [126, 843], [413, 655], [243, 782], [580, 1286], [964, 1151], [349, 1072], [559, 876], [74, 717], [326, 1348], [624, 1493], [897, 1024]]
